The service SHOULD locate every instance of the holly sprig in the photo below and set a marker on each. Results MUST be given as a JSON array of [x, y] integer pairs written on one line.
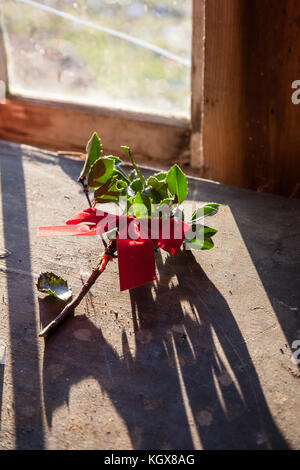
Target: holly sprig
[[104, 175]]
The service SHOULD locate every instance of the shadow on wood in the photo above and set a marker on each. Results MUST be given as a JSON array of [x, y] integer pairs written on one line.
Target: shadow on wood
[[186, 386], [22, 319]]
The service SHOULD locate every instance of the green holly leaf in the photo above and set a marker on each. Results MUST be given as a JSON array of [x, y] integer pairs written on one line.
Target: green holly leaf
[[206, 232], [161, 176], [132, 175], [167, 201], [197, 244], [110, 191], [199, 237], [122, 184], [54, 285], [200, 231], [153, 195], [205, 211], [177, 183], [159, 186], [100, 172], [121, 175], [117, 160], [93, 152], [141, 206], [136, 185]]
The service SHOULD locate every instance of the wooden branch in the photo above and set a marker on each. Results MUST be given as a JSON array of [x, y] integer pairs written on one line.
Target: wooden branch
[[82, 180], [69, 309]]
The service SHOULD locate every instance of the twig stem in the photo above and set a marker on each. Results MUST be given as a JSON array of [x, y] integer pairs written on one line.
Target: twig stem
[[107, 255], [82, 180], [85, 189]]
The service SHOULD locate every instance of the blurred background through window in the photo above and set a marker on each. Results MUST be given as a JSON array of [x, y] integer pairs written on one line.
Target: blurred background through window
[[132, 55]]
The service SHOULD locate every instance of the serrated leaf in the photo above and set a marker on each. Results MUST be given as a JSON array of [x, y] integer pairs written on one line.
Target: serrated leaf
[[159, 186], [167, 201], [154, 182], [117, 160], [206, 232], [200, 232], [121, 175], [177, 183], [132, 175], [100, 172], [205, 211], [136, 185], [54, 285], [109, 192], [141, 206], [197, 244], [122, 184], [153, 195], [93, 152], [160, 176]]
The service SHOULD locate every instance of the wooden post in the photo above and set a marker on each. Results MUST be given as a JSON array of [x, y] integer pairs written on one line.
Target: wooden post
[[3, 62], [197, 83], [249, 126], [224, 100]]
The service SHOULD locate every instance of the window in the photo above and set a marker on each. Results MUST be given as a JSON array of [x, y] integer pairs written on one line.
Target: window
[[229, 130], [118, 66], [116, 53]]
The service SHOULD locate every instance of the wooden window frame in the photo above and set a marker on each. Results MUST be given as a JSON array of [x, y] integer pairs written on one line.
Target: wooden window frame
[[63, 125], [243, 129]]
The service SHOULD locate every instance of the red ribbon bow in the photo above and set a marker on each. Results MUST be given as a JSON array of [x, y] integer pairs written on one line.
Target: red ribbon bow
[[134, 246]]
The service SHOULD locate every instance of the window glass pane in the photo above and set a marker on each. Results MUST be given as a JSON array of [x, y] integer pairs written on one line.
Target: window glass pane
[[114, 53]]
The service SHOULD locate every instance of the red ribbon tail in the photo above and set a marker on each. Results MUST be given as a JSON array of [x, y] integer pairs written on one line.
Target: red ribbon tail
[[135, 257], [136, 262], [66, 230], [87, 215], [75, 226]]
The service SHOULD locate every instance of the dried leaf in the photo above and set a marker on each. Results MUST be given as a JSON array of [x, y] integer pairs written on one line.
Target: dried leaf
[[4, 253], [54, 285]]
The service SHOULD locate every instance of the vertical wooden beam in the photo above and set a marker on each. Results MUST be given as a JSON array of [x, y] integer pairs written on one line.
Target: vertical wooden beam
[[250, 127], [271, 46], [224, 101], [197, 83], [3, 63]]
